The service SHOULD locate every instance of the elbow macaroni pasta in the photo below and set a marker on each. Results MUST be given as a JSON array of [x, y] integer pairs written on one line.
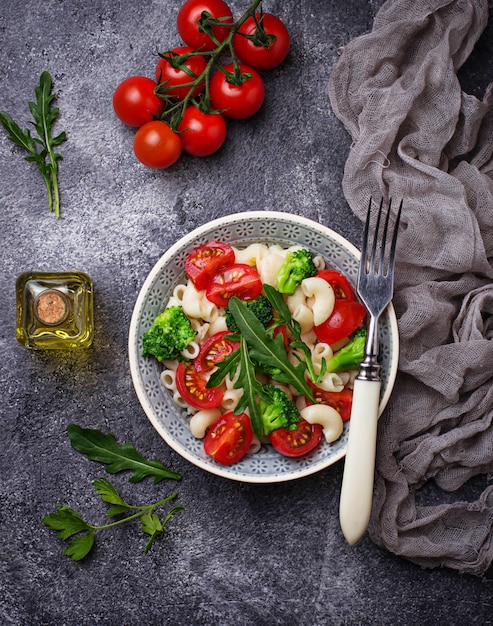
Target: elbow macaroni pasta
[[311, 304]]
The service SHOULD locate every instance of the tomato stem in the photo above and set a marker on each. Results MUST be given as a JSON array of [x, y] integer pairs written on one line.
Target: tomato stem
[[175, 112]]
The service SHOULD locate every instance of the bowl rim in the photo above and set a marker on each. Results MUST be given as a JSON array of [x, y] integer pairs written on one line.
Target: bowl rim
[[196, 233]]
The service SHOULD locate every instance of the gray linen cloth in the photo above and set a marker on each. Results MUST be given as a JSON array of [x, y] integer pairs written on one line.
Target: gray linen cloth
[[417, 136]]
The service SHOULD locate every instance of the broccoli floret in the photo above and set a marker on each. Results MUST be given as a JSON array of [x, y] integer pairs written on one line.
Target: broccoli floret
[[280, 412], [297, 266], [260, 307], [169, 334], [350, 356]]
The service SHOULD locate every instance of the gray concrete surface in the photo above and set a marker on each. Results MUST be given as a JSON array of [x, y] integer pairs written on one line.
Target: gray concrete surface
[[240, 554]]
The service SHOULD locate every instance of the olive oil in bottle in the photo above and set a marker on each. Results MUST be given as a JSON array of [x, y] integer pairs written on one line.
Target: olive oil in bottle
[[54, 310]]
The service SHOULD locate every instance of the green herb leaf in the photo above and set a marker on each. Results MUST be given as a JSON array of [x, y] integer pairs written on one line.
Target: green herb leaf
[[252, 389], [227, 366], [45, 158], [152, 525], [80, 546], [269, 351], [108, 493], [279, 305], [66, 521], [104, 448]]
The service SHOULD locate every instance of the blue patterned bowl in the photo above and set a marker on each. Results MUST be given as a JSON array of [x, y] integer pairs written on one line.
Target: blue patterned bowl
[[171, 422]]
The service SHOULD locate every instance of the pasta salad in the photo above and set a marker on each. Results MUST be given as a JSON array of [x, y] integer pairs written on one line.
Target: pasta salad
[[260, 345]]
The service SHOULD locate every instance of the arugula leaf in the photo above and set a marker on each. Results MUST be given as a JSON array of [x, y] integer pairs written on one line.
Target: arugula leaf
[[104, 448], [252, 389], [45, 158], [279, 305], [228, 365], [269, 351]]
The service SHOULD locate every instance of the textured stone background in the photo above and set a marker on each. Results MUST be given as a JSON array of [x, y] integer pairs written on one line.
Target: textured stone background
[[239, 554]]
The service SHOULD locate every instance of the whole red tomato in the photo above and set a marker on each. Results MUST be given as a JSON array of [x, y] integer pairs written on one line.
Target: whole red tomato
[[156, 145], [262, 46], [135, 101], [175, 71], [188, 27], [202, 133], [237, 99]]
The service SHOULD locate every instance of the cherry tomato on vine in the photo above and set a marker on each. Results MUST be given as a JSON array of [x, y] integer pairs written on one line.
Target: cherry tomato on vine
[[344, 319], [237, 101], [192, 388], [296, 442], [205, 260], [214, 350], [135, 101], [229, 438], [266, 50], [156, 145], [202, 133], [174, 73], [339, 283], [189, 29], [239, 280]]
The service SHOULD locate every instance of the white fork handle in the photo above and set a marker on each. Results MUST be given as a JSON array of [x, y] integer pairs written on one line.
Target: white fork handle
[[359, 465]]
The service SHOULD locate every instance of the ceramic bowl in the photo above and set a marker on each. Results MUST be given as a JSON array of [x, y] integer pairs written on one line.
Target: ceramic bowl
[[171, 422]]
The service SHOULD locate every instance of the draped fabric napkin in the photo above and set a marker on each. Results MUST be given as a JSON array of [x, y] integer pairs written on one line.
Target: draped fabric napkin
[[417, 136]]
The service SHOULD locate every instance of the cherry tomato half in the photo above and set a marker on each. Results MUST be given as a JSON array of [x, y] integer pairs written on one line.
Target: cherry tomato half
[[237, 101], [135, 101], [214, 350], [344, 319], [202, 134], [156, 145], [341, 401], [229, 438], [297, 442], [339, 283], [262, 51], [205, 260], [189, 28], [175, 72], [192, 388], [240, 280]]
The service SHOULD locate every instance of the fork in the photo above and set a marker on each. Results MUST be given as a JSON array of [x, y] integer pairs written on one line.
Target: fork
[[375, 287]]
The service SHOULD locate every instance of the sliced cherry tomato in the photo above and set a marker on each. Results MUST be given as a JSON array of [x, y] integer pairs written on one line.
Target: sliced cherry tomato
[[344, 319], [240, 280], [282, 330], [192, 388], [202, 134], [297, 442], [341, 401], [156, 145], [229, 438], [339, 283], [214, 350], [262, 50], [135, 101], [191, 31], [175, 72], [204, 261], [237, 98]]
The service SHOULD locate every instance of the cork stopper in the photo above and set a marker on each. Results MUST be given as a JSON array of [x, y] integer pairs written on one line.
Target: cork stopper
[[51, 307]]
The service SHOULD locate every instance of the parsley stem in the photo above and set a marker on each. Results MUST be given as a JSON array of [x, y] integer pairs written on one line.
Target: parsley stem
[[142, 511]]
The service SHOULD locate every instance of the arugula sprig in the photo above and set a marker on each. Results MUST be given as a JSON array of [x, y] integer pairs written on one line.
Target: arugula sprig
[[40, 148], [70, 525], [104, 448], [279, 305]]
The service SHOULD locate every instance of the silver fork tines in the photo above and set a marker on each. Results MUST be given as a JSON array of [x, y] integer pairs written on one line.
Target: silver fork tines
[[376, 278]]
